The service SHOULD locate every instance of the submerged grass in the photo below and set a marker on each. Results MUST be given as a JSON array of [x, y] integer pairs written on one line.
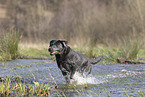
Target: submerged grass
[[9, 44], [19, 89], [7, 88]]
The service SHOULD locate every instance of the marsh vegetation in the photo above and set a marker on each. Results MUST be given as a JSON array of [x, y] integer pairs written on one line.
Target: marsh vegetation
[[86, 25], [112, 28], [9, 44]]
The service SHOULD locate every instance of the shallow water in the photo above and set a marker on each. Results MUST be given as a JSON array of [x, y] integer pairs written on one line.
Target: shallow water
[[116, 79]]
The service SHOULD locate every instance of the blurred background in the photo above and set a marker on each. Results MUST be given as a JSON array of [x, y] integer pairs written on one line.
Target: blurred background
[[82, 22]]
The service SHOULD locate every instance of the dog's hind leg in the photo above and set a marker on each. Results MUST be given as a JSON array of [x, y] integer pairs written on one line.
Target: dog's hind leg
[[87, 70]]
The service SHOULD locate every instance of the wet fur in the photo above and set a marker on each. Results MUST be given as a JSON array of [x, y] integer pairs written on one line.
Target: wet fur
[[70, 62]]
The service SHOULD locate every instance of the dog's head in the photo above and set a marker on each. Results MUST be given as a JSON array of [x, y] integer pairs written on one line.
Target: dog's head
[[57, 46]]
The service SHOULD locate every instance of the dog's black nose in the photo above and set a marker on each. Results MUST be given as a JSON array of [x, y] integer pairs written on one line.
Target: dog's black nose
[[50, 49]]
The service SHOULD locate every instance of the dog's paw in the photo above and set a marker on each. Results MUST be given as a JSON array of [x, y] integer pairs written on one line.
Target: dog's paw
[[72, 81]]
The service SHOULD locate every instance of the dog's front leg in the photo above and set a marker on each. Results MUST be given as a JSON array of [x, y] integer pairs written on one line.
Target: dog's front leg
[[72, 69], [66, 75], [68, 72], [67, 78]]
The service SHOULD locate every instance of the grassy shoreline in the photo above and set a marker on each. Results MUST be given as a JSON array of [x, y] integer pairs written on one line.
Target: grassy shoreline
[[30, 49], [12, 48], [110, 53]]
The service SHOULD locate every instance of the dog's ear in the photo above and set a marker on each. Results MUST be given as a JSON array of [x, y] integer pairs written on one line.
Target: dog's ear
[[52, 41], [63, 42]]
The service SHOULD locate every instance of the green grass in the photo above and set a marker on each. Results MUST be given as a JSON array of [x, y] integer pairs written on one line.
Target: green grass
[[33, 49], [110, 53], [10, 48], [7, 88], [34, 52]]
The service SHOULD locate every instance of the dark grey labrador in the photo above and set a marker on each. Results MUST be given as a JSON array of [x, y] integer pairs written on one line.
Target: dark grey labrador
[[70, 61]]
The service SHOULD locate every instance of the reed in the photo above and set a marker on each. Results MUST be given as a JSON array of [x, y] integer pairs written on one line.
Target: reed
[[108, 93], [130, 48], [126, 93], [9, 44]]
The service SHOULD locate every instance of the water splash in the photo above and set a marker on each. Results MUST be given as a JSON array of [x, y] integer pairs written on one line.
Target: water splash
[[125, 73], [79, 79]]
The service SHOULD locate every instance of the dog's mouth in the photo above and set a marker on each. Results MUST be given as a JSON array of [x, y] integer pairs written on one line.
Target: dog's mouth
[[53, 53]]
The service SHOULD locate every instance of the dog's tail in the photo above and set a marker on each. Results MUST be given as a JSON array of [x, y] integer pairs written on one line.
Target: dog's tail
[[97, 59]]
